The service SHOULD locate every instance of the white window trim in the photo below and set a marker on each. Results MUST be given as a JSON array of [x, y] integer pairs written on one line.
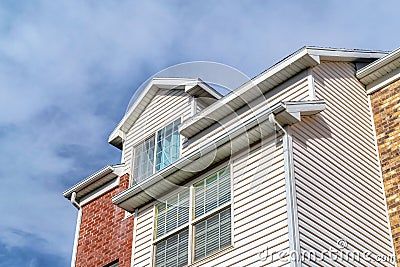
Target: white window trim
[[154, 134], [192, 222], [156, 142]]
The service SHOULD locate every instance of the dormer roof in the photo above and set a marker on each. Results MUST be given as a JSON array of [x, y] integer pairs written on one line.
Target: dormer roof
[[192, 86]]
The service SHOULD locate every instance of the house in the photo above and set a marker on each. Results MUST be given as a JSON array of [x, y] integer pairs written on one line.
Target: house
[[283, 171]]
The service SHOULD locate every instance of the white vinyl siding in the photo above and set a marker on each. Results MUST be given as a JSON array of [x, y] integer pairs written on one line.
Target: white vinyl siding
[[296, 89], [259, 210], [258, 207], [338, 185]]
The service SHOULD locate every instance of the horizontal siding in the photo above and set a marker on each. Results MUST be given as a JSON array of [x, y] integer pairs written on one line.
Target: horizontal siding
[[260, 216], [259, 208], [143, 238], [338, 185], [166, 106]]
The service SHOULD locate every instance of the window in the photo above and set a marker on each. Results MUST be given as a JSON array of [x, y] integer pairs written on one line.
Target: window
[[212, 234], [168, 143], [201, 214], [150, 158], [144, 160]]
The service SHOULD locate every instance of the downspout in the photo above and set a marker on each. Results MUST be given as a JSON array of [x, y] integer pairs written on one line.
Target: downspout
[[77, 228], [291, 200]]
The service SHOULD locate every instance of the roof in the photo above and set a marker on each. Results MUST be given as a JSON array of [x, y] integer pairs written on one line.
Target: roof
[[193, 86], [377, 71], [94, 181], [297, 62]]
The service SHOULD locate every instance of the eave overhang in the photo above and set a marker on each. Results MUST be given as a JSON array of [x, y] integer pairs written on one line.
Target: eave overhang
[[193, 86], [381, 72], [299, 61], [94, 181], [215, 151], [380, 67]]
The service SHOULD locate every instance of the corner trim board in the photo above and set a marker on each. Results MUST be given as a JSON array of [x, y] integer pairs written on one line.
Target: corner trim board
[[291, 198]]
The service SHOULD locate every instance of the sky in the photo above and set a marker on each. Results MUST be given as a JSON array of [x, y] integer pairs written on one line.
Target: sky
[[68, 69]]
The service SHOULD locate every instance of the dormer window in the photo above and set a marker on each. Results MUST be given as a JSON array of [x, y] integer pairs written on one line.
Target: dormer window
[[150, 158]]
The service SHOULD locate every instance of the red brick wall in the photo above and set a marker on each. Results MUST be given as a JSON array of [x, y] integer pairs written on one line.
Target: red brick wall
[[105, 235], [386, 111]]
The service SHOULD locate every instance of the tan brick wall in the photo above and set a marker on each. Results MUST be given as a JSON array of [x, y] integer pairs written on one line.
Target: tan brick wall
[[386, 111], [105, 234]]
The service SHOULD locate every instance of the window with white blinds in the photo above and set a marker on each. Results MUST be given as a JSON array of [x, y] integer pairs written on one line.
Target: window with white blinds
[[157, 152], [173, 251], [172, 213], [212, 192], [204, 212], [212, 234]]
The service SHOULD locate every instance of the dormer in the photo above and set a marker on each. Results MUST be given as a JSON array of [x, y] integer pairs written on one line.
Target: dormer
[[148, 133]]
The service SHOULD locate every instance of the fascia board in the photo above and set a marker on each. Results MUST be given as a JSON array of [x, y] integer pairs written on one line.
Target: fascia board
[[116, 169], [87, 181], [335, 54]]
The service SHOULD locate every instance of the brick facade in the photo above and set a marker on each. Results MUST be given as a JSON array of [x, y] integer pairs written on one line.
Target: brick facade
[[386, 111], [105, 234]]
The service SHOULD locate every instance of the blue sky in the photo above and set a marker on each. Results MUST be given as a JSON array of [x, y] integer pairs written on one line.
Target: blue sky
[[69, 68]]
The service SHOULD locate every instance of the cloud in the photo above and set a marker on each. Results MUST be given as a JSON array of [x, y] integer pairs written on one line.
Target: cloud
[[69, 68], [30, 255]]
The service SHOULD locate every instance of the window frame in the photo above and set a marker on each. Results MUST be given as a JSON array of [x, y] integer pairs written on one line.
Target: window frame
[[156, 143], [153, 135], [147, 138], [192, 220]]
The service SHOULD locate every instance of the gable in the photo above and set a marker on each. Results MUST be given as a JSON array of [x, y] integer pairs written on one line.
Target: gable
[[192, 87], [165, 107]]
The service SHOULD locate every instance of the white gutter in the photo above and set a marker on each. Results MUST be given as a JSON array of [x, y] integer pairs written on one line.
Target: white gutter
[[77, 228], [291, 198]]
